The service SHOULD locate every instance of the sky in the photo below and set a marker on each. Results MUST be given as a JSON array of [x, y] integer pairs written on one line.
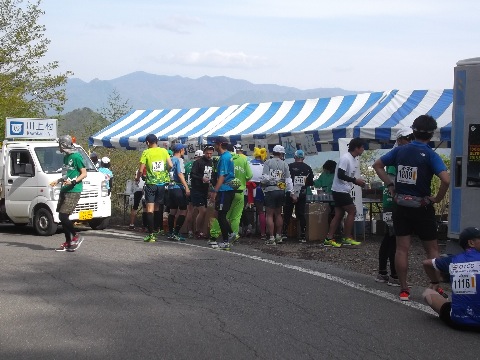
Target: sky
[[358, 45]]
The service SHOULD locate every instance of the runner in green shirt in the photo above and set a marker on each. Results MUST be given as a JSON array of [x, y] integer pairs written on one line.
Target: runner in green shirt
[[157, 162]]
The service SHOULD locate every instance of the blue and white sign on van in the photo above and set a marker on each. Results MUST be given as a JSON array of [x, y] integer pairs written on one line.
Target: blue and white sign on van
[[31, 128]]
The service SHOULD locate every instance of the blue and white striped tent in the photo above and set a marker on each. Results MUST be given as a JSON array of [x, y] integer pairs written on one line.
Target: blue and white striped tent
[[374, 116]]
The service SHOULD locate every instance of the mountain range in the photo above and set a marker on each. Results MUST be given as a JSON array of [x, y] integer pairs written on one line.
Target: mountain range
[[149, 91]]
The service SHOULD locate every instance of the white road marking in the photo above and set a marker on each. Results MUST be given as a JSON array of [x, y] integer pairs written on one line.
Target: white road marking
[[337, 279]]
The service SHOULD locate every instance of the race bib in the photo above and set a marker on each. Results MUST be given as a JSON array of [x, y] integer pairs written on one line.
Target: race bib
[[387, 216], [407, 174], [464, 283], [158, 166], [276, 174], [208, 172], [299, 180]]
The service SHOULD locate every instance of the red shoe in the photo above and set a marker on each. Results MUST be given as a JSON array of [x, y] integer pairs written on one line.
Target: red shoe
[[63, 247], [405, 295]]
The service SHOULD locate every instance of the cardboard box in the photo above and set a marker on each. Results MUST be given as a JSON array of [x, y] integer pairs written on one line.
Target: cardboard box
[[293, 231], [317, 221]]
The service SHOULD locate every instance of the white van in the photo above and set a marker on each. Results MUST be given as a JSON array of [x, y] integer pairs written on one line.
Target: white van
[[26, 170]]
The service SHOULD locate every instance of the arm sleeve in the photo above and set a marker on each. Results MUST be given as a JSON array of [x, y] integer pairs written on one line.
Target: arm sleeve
[[309, 178], [342, 176], [195, 173]]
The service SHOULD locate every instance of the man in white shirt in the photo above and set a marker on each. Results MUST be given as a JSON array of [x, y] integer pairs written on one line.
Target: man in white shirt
[[341, 190]]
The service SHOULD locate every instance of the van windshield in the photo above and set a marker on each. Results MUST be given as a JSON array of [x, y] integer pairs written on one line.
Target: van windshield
[[51, 159]]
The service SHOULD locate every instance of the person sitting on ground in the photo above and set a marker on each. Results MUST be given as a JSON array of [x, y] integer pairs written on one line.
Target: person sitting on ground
[[463, 312]]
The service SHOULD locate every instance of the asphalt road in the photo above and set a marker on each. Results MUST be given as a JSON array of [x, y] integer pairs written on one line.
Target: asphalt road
[[120, 298]]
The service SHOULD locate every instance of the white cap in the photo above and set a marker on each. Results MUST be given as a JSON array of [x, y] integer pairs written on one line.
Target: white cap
[[105, 160], [198, 153], [404, 131], [279, 149]]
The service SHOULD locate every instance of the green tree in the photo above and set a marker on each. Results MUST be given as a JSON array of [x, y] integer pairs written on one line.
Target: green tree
[[29, 86], [115, 108], [123, 162]]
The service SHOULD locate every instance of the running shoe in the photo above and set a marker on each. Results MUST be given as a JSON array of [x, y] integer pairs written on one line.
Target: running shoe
[[190, 234], [213, 243], [149, 238], [331, 243], [349, 241], [442, 292], [170, 236], [263, 237], [160, 232], [63, 247], [232, 237], [302, 239], [278, 239], [284, 236], [131, 227], [405, 295], [382, 278], [270, 241], [393, 281], [178, 237], [224, 246], [75, 243]]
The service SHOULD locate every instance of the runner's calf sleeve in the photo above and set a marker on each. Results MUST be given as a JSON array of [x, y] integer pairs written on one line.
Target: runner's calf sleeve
[[171, 222], [149, 217], [157, 220], [180, 221]]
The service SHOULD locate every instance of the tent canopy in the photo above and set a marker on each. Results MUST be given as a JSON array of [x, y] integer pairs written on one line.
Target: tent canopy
[[374, 116]]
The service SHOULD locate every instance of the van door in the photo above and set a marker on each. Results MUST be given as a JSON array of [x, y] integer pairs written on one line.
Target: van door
[[20, 184]]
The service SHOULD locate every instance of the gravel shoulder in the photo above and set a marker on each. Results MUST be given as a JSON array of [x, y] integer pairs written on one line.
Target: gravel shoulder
[[362, 259]]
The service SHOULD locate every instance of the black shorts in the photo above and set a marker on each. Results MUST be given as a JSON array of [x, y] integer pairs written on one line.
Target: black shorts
[[199, 198], [223, 200], [274, 199], [420, 221], [342, 199], [137, 196], [177, 199], [154, 194], [445, 316]]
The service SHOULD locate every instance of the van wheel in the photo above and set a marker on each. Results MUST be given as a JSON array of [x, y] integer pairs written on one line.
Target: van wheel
[[43, 222], [99, 223]]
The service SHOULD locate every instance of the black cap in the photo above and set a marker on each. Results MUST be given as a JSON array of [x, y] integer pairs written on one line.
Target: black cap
[[221, 140], [468, 233]]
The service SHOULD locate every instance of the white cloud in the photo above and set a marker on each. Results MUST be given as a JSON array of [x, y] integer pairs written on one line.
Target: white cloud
[[217, 58]]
